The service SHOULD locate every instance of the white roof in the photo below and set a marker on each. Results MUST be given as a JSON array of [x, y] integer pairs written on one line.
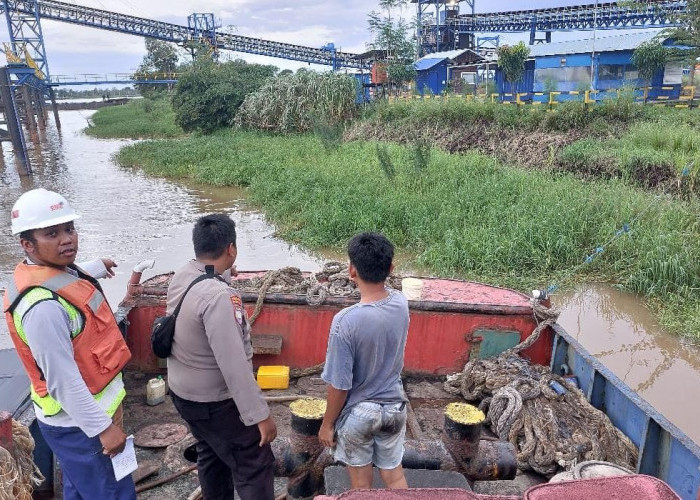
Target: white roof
[[447, 54], [628, 41]]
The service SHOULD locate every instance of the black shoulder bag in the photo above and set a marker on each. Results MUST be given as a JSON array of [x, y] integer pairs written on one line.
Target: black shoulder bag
[[163, 330]]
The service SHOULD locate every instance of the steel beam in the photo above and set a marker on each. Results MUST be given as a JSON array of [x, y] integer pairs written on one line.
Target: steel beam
[[650, 14], [14, 130], [132, 25]]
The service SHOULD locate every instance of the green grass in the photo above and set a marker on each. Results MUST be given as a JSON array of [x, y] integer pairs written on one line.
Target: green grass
[[462, 215], [139, 119], [665, 151], [568, 115]]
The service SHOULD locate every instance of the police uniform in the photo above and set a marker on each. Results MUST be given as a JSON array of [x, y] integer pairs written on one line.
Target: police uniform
[[210, 374]]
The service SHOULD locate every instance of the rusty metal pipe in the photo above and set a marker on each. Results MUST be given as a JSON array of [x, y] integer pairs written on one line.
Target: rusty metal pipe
[[495, 460]]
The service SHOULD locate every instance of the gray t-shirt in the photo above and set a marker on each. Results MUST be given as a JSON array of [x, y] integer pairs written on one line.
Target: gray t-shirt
[[366, 350]]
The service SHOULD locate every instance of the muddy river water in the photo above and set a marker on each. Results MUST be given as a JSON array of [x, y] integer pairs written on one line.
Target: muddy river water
[[130, 217]]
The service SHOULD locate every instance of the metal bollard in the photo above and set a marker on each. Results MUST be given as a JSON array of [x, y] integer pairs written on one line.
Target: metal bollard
[[480, 460], [304, 459]]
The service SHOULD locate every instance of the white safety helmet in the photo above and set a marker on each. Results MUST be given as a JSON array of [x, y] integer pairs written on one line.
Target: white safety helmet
[[39, 208]]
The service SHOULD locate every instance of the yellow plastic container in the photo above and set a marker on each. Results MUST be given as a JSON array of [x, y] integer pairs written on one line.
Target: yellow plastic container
[[273, 377]]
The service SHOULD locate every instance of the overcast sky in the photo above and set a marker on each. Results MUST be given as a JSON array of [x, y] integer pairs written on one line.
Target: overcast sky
[[75, 50]]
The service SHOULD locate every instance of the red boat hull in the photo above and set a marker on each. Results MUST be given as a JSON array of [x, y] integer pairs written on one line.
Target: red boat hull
[[447, 323]]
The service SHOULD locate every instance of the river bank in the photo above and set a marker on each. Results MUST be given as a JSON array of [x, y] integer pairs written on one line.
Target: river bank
[[468, 215], [130, 216]]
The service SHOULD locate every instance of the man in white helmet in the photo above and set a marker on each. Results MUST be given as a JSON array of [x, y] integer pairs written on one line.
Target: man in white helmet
[[69, 343]]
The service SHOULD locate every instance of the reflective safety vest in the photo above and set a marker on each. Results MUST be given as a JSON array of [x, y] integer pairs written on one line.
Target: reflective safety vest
[[98, 346]]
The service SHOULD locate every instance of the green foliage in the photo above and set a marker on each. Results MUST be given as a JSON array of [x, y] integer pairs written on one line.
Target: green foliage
[[550, 84], [650, 58], [295, 103], [651, 154], [400, 73], [385, 161], [208, 94], [416, 114], [511, 60], [391, 32], [688, 33], [471, 217], [139, 119], [330, 134], [112, 92], [420, 155], [161, 58]]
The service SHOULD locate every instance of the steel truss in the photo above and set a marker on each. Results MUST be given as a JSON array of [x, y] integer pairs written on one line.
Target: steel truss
[[132, 25], [604, 16], [435, 33], [24, 27]]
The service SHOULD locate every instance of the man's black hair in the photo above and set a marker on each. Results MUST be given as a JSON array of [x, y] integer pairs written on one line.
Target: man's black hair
[[372, 255], [212, 234], [28, 235]]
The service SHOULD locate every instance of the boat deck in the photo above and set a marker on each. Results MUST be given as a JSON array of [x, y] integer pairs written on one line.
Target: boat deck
[[427, 397]]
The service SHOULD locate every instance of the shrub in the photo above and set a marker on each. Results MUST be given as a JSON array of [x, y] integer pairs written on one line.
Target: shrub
[[208, 94], [298, 102]]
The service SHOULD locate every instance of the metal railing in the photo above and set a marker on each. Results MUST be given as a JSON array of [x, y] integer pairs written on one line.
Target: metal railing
[[660, 96], [114, 78]]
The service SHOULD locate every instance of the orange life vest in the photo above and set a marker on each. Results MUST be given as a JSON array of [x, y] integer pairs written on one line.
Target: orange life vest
[[99, 348]]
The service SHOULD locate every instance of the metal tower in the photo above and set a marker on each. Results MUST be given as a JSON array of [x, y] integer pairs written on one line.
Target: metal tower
[[24, 27], [435, 31], [203, 28]]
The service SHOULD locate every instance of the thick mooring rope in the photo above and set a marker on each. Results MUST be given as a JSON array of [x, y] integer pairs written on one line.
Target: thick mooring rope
[[549, 430], [333, 280], [18, 473]]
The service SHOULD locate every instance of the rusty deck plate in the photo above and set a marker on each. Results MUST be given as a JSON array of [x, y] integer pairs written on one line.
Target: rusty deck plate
[[160, 435]]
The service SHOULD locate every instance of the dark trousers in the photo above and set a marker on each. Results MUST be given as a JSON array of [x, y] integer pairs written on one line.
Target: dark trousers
[[87, 472], [228, 452]]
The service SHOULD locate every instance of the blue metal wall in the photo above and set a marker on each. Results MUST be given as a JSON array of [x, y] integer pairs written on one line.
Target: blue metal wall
[[525, 84], [577, 68], [434, 79]]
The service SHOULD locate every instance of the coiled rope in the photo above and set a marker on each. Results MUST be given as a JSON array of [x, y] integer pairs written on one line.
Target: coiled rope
[[549, 430], [332, 281], [18, 473]]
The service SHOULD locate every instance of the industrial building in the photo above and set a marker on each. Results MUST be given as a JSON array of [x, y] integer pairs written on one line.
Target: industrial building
[[455, 70], [602, 64]]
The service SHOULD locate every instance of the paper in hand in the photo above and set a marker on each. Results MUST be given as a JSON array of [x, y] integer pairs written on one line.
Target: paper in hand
[[124, 463]]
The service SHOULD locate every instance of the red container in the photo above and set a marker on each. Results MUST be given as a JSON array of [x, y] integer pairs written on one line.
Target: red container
[[379, 73]]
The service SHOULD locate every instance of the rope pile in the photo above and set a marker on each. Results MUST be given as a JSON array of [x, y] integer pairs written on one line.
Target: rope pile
[[549, 430], [333, 280], [18, 473]]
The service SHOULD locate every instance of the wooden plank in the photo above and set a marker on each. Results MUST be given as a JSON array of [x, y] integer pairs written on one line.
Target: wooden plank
[[412, 422], [266, 344]]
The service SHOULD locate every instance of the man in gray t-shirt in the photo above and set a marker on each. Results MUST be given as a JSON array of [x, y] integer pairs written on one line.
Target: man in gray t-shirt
[[365, 420]]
